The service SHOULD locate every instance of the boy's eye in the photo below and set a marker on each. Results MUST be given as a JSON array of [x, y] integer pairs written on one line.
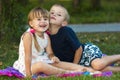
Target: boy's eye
[[45, 19], [52, 13], [59, 14]]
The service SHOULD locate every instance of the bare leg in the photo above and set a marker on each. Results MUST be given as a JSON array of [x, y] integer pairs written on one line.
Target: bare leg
[[99, 64], [118, 62], [72, 66], [46, 68], [112, 68]]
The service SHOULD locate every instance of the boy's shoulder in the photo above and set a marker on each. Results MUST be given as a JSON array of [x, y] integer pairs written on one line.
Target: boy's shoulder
[[67, 28]]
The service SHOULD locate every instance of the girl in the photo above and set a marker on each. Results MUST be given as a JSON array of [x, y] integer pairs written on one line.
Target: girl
[[35, 53]]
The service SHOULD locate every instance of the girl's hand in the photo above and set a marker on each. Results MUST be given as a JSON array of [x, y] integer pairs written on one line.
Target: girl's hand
[[55, 59], [28, 77]]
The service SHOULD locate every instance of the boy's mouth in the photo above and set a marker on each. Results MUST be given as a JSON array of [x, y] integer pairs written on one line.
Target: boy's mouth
[[52, 18]]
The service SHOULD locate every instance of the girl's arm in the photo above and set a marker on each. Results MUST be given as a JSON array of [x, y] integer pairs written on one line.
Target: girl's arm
[[50, 52], [27, 42]]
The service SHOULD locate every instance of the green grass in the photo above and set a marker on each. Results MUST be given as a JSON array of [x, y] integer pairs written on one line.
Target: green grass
[[107, 41]]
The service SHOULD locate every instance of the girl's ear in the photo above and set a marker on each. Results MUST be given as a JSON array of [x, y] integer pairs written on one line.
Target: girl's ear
[[30, 23], [65, 23]]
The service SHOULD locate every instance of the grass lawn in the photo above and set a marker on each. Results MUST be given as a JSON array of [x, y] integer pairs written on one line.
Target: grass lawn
[[107, 41]]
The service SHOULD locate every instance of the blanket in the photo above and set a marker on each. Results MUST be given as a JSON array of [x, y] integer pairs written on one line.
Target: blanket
[[10, 71]]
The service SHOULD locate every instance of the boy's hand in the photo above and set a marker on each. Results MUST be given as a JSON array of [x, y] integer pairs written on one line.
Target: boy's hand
[[55, 59]]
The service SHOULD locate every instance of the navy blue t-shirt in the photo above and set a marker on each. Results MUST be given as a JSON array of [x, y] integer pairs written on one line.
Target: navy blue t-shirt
[[65, 43]]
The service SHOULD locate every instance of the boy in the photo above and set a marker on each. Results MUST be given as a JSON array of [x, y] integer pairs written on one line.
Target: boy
[[67, 47]]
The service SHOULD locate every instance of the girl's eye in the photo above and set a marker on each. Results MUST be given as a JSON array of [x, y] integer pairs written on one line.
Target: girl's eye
[[38, 19], [46, 19]]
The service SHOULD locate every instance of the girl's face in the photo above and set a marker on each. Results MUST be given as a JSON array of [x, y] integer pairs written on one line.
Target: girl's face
[[40, 24], [57, 15]]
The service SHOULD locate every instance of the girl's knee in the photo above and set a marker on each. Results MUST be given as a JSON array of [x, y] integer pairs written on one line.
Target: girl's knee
[[38, 65]]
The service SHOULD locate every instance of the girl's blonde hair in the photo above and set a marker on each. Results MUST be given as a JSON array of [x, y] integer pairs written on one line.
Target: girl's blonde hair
[[37, 12], [67, 16]]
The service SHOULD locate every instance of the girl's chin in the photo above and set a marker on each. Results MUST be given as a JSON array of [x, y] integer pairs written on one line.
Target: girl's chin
[[44, 30]]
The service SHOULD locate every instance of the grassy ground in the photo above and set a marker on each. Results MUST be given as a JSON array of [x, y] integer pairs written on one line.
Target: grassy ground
[[108, 42]]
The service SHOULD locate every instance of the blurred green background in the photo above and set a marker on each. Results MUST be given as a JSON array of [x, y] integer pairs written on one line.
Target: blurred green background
[[13, 14], [13, 21]]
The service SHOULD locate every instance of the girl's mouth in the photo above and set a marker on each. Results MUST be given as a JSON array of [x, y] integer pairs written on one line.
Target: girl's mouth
[[43, 25]]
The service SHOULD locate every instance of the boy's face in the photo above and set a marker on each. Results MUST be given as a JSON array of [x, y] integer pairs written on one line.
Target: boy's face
[[57, 15]]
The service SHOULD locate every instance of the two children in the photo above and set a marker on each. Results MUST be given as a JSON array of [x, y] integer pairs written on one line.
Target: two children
[[35, 52]]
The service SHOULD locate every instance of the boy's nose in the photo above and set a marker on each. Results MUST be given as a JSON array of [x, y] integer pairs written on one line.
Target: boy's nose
[[54, 14]]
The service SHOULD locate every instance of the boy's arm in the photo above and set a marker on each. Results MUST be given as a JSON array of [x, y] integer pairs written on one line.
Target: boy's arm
[[78, 54], [74, 42]]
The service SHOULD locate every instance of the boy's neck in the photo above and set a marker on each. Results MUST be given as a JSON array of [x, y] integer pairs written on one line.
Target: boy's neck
[[54, 29]]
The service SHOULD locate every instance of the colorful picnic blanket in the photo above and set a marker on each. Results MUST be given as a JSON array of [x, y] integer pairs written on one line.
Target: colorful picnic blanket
[[10, 71]]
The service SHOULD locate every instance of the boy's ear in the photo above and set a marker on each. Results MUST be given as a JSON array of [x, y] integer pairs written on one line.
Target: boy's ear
[[65, 23]]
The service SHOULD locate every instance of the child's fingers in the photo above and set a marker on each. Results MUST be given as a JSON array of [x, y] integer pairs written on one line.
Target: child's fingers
[[55, 59]]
